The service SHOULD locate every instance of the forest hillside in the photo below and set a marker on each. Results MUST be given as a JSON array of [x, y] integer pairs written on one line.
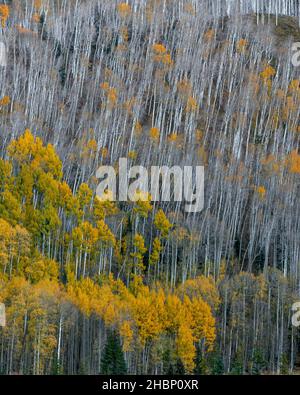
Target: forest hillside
[[96, 286]]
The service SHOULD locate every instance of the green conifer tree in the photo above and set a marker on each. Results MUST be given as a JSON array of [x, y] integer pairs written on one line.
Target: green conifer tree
[[113, 361]]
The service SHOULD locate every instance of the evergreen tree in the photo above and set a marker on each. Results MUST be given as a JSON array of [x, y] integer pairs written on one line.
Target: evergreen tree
[[216, 363], [284, 364], [237, 365], [57, 369], [113, 361], [258, 362], [200, 362]]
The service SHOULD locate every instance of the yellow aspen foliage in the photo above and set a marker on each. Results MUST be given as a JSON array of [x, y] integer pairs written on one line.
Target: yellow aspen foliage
[[84, 196], [209, 35], [30, 150], [146, 315], [22, 148], [289, 108], [132, 155], [140, 312], [139, 251], [80, 293], [281, 94], [174, 316], [203, 323], [129, 104], [111, 93], [103, 208], [66, 198], [199, 135], [26, 188], [156, 250], [105, 235], [102, 298], [136, 285], [126, 333], [172, 137], [138, 128], [150, 5], [200, 287], [167, 60], [124, 9], [85, 236], [139, 243], [190, 8], [161, 54], [48, 187], [89, 149], [180, 233], [110, 313], [40, 301], [294, 86], [109, 305], [103, 152], [267, 73], [203, 154], [262, 288], [142, 203], [124, 33], [7, 234], [185, 347], [42, 269], [23, 30], [191, 105], [184, 87], [180, 143], [112, 96], [293, 162], [154, 134], [36, 17], [261, 190], [5, 101], [22, 244], [275, 121], [49, 220], [162, 223], [37, 4], [222, 270], [241, 45], [159, 49], [271, 164], [4, 14], [105, 86], [5, 173]]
